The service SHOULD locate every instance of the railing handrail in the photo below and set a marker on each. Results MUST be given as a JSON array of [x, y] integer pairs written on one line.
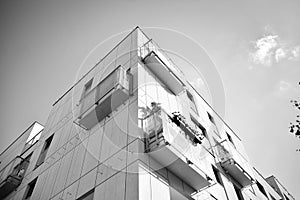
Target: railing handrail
[[232, 148], [160, 109], [10, 162], [95, 88], [182, 154], [158, 48]]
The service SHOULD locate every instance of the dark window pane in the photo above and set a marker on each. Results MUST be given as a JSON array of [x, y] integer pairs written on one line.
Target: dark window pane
[[87, 196], [217, 175], [30, 189]]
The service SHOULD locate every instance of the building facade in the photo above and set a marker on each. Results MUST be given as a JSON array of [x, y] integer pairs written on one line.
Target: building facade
[[133, 127]]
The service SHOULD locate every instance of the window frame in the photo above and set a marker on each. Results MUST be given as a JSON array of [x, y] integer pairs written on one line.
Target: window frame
[[44, 151], [218, 177], [192, 101], [87, 88], [230, 138], [261, 188], [211, 118]]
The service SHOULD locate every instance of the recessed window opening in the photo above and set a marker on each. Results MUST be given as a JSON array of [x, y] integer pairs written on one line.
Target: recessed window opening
[[44, 151], [87, 87], [192, 102], [29, 189]]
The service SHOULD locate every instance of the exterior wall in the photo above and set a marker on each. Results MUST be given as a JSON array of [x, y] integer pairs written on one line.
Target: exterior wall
[[20, 149], [111, 158], [279, 188], [269, 192]]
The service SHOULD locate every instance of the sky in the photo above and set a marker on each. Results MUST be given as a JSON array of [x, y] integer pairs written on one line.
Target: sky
[[255, 46]]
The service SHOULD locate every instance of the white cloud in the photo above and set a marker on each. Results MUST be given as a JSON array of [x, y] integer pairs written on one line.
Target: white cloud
[[295, 52], [264, 50], [283, 85], [280, 54], [271, 49], [199, 82], [286, 90]]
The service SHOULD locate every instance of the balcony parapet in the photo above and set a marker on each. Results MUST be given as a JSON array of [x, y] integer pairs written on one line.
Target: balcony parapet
[[176, 148], [12, 175], [234, 163], [110, 93], [162, 66]]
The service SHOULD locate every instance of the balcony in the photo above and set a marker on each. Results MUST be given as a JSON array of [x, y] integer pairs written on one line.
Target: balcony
[[162, 67], [194, 133], [234, 163], [175, 148], [12, 175], [109, 94]]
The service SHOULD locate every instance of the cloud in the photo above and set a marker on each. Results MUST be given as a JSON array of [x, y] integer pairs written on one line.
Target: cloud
[[264, 50], [197, 82], [280, 54], [295, 53], [285, 90], [270, 49], [283, 85]]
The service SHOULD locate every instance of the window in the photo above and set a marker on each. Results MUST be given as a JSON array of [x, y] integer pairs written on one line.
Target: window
[[28, 157], [286, 197], [217, 175], [211, 118], [230, 139], [87, 87], [238, 193], [44, 151], [192, 102], [87, 196], [261, 188], [199, 126], [29, 189]]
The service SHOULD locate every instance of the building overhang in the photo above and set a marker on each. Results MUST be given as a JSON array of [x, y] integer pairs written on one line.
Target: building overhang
[[237, 172], [163, 72], [170, 158]]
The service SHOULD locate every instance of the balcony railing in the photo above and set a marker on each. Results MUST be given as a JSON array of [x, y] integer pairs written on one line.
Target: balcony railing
[[175, 148], [12, 175], [193, 132], [110, 93], [163, 67], [234, 163]]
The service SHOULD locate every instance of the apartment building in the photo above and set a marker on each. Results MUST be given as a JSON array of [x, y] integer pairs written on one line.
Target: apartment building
[[133, 127]]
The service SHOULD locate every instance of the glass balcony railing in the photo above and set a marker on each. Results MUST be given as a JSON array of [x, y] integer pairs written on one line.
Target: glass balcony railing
[[234, 163], [174, 144], [163, 67], [110, 93], [12, 175]]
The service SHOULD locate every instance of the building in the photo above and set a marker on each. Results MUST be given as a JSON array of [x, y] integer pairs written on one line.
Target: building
[[279, 188], [132, 128]]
